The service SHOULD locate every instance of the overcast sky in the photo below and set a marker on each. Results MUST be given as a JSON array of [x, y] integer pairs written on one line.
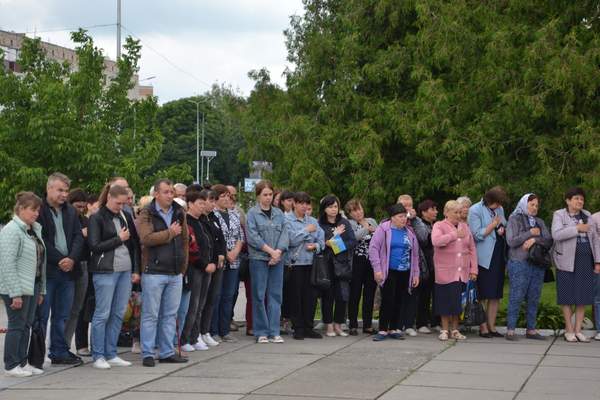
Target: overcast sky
[[215, 41]]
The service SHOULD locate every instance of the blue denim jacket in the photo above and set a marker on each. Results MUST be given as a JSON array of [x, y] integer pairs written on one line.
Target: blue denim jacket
[[264, 230], [299, 238]]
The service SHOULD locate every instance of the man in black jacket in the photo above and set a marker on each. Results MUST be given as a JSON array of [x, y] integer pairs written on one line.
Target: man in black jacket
[[62, 236]]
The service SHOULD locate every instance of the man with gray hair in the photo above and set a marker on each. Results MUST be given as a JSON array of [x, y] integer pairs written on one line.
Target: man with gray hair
[[62, 236], [180, 189]]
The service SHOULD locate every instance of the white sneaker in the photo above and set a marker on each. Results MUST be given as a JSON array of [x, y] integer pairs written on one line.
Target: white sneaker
[[200, 346], [424, 329], [276, 339], [597, 337], [101, 364], [119, 362], [135, 348], [188, 348], [32, 369], [47, 362], [209, 340], [410, 332], [84, 352], [17, 372]]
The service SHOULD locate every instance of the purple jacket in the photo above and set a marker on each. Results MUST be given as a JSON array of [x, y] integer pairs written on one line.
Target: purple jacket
[[379, 250]]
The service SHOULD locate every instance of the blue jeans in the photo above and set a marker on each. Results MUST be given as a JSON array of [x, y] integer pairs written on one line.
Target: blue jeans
[[161, 294], [267, 280], [224, 305], [525, 283], [59, 299], [184, 305], [112, 292]]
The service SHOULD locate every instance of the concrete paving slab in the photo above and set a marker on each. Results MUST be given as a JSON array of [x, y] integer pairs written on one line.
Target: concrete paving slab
[[542, 396], [332, 379], [507, 347], [278, 397], [308, 346], [175, 396], [571, 362], [223, 385], [568, 388], [402, 392], [511, 383], [575, 349], [583, 374], [60, 394], [464, 353], [471, 368]]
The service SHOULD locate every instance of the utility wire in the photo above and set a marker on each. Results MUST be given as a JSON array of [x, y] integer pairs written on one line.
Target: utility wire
[[70, 29], [178, 68]]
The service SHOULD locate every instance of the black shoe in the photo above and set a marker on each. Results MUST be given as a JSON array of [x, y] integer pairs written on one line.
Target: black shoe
[[71, 359], [148, 362], [368, 331], [174, 359], [313, 335], [534, 336], [353, 332], [486, 335], [496, 334], [298, 336]]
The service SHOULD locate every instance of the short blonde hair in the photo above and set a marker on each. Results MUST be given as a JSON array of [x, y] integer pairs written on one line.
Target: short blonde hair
[[405, 197], [451, 205], [26, 200]]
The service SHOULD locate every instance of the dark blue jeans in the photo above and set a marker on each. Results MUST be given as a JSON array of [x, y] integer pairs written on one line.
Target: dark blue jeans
[[525, 283], [16, 343], [59, 299], [223, 310]]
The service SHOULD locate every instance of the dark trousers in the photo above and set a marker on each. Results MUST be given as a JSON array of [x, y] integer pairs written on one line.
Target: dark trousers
[[425, 300], [16, 342], [364, 284], [58, 299], [333, 297], [286, 300], [248, 289], [303, 299], [200, 281], [397, 305], [214, 291]]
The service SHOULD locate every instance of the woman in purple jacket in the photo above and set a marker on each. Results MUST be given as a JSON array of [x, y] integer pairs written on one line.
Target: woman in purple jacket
[[394, 255]]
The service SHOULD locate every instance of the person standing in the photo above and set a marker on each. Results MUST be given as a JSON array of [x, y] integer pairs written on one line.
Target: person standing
[[576, 254], [525, 229], [306, 239], [267, 241], [62, 235], [115, 248], [487, 223], [335, 299], [164, 236], [455, 262], [22, 281], [362, 284]]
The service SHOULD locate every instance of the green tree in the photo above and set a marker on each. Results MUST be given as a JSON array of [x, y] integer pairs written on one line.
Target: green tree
[[54, 117]]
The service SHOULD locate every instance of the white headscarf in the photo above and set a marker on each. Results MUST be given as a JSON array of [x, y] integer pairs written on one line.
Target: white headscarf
[[522, 209]]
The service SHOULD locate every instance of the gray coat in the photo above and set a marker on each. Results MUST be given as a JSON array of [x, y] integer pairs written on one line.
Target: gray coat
[[564, 233], [518, 232]]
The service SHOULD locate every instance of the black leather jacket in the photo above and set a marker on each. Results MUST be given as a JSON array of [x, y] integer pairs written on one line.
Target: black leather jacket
[[103, 239]]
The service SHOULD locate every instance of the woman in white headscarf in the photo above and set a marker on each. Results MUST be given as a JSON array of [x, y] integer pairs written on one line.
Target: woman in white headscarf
[[525, 229]]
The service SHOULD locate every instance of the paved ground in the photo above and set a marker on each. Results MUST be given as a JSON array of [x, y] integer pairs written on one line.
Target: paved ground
[[338, 368]]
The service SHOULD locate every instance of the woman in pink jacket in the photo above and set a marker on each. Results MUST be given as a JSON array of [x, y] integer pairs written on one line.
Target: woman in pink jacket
[[455, 261], [394, 255]]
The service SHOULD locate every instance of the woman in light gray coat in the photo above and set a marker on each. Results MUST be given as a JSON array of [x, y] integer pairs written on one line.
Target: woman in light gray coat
[[22, 281], [576, 253]]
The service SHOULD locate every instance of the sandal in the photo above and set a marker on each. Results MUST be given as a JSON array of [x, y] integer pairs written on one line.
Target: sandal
[[457, 335], [443, 336], [570, 337], [582, 338]]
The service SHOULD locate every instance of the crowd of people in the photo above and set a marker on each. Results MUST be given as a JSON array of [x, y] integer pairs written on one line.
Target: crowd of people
[[182, 252]]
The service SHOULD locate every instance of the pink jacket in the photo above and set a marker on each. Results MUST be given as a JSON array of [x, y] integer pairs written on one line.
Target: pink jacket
[[379, 250], [454, 258]]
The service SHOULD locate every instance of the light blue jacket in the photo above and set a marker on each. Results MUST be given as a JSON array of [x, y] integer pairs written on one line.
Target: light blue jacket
[[264, 230], [299, 238], [479, 218]]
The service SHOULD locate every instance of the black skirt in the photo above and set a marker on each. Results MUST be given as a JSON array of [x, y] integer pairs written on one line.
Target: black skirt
[[448, 298], [577, 287], [490, 282]]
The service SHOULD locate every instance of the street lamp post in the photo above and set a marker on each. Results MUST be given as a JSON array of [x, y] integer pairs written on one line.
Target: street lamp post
[[198, 164]]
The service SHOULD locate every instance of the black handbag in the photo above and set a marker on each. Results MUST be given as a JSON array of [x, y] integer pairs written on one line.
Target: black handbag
[[319, 273], [37, 344], [244, 268], [539, 256], [474, 313]]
